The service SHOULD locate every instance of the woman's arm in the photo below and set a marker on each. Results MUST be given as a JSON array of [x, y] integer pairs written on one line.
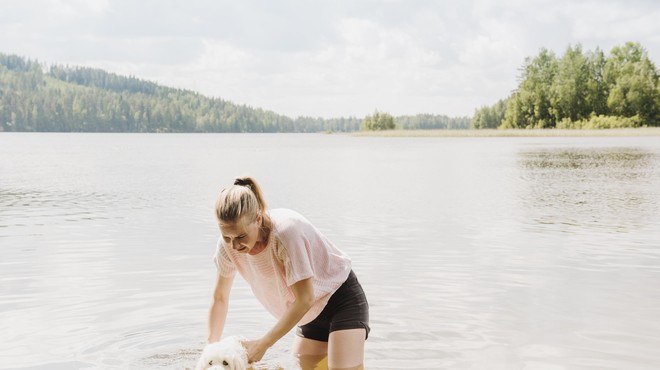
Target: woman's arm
[[304, 293], [218, 310]]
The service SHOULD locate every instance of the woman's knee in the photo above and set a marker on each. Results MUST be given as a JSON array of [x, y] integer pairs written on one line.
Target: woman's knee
[[359, 367], [313, 362]]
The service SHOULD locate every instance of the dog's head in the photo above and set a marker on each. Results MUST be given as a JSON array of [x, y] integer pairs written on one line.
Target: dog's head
[[228, 354]]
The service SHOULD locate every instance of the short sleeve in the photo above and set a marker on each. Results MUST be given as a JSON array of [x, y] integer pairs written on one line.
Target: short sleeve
[[223, 262], [294, 250]]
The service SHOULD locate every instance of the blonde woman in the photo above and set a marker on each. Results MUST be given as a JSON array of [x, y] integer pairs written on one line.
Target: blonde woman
[[298, 275]]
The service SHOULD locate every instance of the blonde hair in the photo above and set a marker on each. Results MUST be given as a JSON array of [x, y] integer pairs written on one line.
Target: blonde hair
[[243, 198]]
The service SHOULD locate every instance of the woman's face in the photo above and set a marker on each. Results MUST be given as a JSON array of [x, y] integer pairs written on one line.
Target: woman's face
[[241, 235]]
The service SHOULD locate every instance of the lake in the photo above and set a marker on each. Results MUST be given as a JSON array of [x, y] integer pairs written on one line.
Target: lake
[[475, 253]]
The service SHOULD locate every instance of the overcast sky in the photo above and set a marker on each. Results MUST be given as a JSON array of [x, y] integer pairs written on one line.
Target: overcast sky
[[325, 58]]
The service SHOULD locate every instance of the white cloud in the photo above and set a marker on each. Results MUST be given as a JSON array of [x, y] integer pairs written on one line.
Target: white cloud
[[77, 8], [338, 58], [615, 23]]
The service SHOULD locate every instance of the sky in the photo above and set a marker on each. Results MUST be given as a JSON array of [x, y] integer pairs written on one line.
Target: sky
[[334, 58]]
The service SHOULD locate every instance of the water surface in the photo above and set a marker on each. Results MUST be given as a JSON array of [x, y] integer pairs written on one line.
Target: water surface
[[475, 253]]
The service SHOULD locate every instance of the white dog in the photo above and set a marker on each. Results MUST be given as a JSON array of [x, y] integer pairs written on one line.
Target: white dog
[[227, 354]]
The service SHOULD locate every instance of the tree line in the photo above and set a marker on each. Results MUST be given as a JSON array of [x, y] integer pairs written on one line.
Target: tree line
[[580, 90], [34, 97]]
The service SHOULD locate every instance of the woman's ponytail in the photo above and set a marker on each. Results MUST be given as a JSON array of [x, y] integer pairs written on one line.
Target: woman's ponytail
[[244, 198], [251, 184]]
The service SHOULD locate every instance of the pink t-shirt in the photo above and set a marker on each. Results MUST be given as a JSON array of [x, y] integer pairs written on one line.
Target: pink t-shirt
[[296, 251]]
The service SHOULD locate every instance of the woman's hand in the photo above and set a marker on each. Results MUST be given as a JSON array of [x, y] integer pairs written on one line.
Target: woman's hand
[[255, 350], [303, 290]]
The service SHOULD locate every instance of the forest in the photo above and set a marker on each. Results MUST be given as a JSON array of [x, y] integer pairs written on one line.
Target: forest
[[39, 98], [580, 90]]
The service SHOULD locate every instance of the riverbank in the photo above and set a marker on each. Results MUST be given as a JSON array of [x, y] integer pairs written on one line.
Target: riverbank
[[643, 131]]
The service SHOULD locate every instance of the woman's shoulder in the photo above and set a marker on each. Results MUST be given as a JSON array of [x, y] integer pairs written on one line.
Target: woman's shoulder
[[280, 214], [287, 220]]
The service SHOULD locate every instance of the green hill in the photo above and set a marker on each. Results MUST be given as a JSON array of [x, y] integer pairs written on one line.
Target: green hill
[[58, 98], [64, 98]]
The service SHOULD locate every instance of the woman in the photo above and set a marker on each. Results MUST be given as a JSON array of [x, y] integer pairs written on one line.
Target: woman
[[296, 273]]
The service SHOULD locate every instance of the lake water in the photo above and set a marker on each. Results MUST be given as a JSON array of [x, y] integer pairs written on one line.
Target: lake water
[[475, 253]]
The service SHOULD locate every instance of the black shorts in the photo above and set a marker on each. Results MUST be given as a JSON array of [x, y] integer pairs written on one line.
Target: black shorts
[[346, 309]]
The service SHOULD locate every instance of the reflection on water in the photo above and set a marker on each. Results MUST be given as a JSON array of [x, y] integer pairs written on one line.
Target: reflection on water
[[49, 206], [475, 253], [577, 158], [596, 188]]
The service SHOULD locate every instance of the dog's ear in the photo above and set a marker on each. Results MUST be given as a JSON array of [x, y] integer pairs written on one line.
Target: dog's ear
[[238, 363], [201, 363]]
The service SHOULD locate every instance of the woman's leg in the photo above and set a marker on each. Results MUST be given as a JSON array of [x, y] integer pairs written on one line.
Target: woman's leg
[[309, 352], [346, 349]]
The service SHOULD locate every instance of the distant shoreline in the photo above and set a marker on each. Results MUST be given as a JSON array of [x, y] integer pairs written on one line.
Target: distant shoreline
[[642, 131], [615, 132]]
